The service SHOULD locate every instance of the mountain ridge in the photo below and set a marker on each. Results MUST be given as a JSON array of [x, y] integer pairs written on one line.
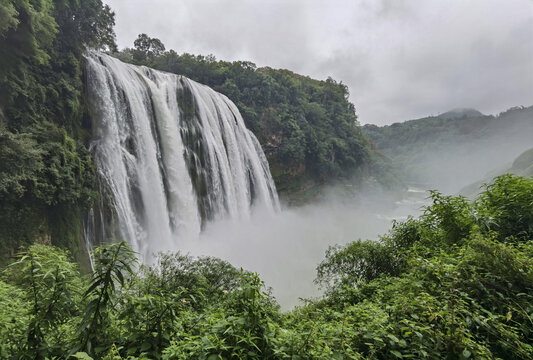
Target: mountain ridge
[[460, 113]]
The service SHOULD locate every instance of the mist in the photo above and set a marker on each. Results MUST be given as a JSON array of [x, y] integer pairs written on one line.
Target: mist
[[458, 54], [481, 149], [451, 170], [284, 248]]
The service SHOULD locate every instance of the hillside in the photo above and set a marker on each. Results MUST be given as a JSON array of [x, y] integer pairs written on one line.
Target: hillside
[[460, 113], [455, 283], [139, 217], [449, 152]]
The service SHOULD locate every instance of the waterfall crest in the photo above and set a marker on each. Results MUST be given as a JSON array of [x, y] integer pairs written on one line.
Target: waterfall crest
[[170, 154]]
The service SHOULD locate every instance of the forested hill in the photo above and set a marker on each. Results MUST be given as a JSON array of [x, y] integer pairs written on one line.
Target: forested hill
[[455, 148], [307, 128]]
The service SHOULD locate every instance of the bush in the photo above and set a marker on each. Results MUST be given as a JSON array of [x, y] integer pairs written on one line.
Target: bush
[[507, 206]]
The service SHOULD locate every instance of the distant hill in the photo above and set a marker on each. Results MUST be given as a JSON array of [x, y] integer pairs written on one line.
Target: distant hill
[[521, 166], [460, 113], [455, 148]]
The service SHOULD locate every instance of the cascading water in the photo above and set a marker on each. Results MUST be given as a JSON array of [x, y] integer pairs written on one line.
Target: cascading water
[[171, 154]]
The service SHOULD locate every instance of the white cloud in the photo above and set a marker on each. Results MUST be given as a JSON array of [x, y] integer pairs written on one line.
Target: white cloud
[[401, 59]]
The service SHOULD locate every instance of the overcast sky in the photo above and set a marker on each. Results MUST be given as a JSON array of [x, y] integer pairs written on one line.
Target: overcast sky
[[401, 59]]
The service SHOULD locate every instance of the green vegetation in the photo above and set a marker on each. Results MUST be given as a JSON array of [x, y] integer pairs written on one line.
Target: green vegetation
[[403, 139], [457, 283], [307, 128], [46, 174]]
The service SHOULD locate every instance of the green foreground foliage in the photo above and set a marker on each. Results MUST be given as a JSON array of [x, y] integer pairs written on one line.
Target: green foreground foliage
[[456, 283]]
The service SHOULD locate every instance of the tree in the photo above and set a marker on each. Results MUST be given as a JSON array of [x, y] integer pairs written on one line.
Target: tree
[[147, 48], [113, 265], [50, 286]]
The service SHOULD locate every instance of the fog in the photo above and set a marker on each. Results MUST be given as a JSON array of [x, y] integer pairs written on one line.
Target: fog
[[286, 247], [463, 160], [451, 170]]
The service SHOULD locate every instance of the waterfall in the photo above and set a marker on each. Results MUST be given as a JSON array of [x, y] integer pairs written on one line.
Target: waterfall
[[170, 154]]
